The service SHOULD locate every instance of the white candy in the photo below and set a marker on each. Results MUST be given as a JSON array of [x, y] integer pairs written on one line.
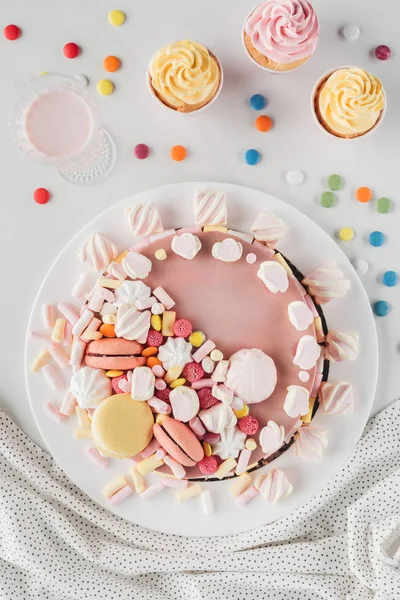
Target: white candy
[[360, 266], [307, 353], [351, 32], [218, 417], [136, 266], [185, 403], [186, 245], [143, 381], [296, 401], [274, 276], [295, 177], [132, 292], [231, 443], [90, 387], [229, 250]]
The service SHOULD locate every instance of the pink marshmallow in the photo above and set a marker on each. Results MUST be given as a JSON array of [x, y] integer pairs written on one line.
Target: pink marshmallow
[[124, 385], [59, 356], [82, 285], [54, 412], [77, 352], [82, 322], [95, 457], [158, 371], [243, 461], [164, 298], [247, 495], [52, 377], [161, 235], [194, 229], [160, 453], [159, 406], [48, 316], [93, 325], [316, 385], [91, 292], [68, 404], [69, 313], [46, 341], [107, 294], [96, 301], [152, 447], [311, 305], [144, 303], [121, 495], [152, 490], [177, 469], [160, 383], [116, 270], [67, 340], [178, 484], [202, 383], [203, 351], [197, 427]]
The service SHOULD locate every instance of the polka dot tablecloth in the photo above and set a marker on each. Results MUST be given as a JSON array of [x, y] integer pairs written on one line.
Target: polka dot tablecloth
[[342, 545]]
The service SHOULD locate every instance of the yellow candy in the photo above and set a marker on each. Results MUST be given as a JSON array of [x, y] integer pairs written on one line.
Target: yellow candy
[[112, 284], [114, 373], [207, 449], [240, 484], [58, 330], [319, 330], [92, 335], [156, 322], [228, 465], [83, 432], [160, 254], [114, 485], [243, 412], [219, 228], [307, 418], [251, 444], [105, 87], [39, 362], [121, 256], [346, 234], [44, 73], [189, 492], [279, 258], [177, 383], [147, 465], [168, 321], [216, 355], [138, 480], [173, 373], [197, 338], [110, 319], [116, 17], [83, 417]]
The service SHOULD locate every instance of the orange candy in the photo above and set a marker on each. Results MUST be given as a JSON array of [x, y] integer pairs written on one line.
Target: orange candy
[[111, 64], [107, 329], [152, 361], [150, 351], [263, 123], [363, 194], [178, 153]]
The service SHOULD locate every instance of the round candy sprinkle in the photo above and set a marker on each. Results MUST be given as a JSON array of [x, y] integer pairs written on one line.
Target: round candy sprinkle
[[178, 153], [383, 52], [304, 376], [116, 17], [295, 177], [41, 195], [111, 64], [390, 278], [197, 338], [363, 194], [248, 425], [208, 465], [376, 239], [252, 157], [82, 79], [71, 50], [258, 102], [263, 123], [351, 32], [193, 372], [335, 182], [346, 234], [182, 328], [141, 151], [12, 32], [105, 87], [251, 444], [251, 258], [154, 338], [360, 266], [216, 355], [160, 254], [328, 199], [381, 308], [383, 205]]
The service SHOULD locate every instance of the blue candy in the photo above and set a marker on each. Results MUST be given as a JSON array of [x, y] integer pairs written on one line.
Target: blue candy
[[381, 308], [258, 102], [376, 238], [252, 157], [390, 278]]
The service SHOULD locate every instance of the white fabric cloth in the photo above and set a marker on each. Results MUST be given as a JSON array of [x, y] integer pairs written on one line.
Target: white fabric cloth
[[343, 544]]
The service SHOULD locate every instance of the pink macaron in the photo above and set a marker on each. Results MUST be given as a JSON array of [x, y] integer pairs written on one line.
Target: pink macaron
[[178, 441], [114, 353]]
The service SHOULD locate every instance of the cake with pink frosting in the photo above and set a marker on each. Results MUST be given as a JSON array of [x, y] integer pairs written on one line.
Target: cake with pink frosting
[[281, 35], [206, 349]]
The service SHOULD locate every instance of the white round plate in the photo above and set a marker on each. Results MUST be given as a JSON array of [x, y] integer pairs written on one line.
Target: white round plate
[[308, 246]]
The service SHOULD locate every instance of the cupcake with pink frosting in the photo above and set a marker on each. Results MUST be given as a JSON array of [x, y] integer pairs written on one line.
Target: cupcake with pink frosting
[[281, 35]]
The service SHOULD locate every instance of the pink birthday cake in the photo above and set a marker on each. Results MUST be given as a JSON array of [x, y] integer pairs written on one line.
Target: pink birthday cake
[[199, 354]]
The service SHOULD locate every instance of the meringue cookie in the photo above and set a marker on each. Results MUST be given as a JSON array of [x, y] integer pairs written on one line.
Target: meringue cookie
[[175, 351], [296, 401], [271, 437], [186, 245], [218, 417], [274, 276], [251, 375], [184, 402], [307, 353], [327, 283], [144, 220], [220, 392], [231, 443], [130, 292], [210, 208], [275, 486], [229, 250], [300, 315], [269, 229], [136, 266], [98, 252], [132, 324], [142, 384], [90, 387], [341, 345], [310, 442], [337, 398]]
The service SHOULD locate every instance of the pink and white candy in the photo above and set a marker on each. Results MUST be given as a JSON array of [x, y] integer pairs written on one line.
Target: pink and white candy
[[341, 345], [275, 486], [229, 250], [269, 229], [310, 442], [142, 384], [210, 208], [296, 401], [186, 245], [98, 252], [274, 276], [136, 265], [271, 437], [132, 324], [327, 283], [300, 315], [144, 220], [184, 402], [307, 352], [337, 398]]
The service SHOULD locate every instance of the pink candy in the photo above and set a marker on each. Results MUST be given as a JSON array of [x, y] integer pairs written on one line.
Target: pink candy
[[158, 371], [159, 406], [316, 386], [178, 484], [150, 448], [77, 352], [69, 313], [160, 383], [52, 377], [247, 495], [82, 286], [82, 322], [54, 412], [48, 316], [95, 457], [67, 341], [164, 298], [203, 351], [152, 490], [143, 303], [96, 300], [59, 356], [107, 294], [121, 495], [212, 438], [194, 229], [68, 404], [243, 461], [177, 469], [202, 383], [311, 305], [41, 337], [197, 427]]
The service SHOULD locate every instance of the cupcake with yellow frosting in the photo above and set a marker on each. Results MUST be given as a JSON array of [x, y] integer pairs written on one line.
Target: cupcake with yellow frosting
[[349, 102], [185, 76]]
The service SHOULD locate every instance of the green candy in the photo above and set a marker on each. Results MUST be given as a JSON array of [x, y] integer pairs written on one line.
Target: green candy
[[383, 205], [335, 182], [328, 199]]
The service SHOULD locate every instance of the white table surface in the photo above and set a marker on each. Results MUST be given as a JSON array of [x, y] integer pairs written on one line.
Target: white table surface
[[32, 235]]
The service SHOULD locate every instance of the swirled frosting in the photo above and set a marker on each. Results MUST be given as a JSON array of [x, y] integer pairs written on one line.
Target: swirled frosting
[[351, 101], [90, 386], [327, 283], [230, 444], [184, 73], [283, 30], [132, 324]]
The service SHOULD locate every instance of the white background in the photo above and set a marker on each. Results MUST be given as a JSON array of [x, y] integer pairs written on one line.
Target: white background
[[32, 235]]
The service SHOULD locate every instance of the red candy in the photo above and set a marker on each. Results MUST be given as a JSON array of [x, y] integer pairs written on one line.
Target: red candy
[[163, 394], [182, 328], [12, 32], [115, 381], [206, 398], [193, 372], [383, 52], [211, 438], [41, 195], [154, 338], [141, 151], [71, 50], [249, 425], [208, 465]]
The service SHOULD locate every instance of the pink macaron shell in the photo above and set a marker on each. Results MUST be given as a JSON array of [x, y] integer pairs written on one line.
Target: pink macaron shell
[[179, 441], [115, 363]]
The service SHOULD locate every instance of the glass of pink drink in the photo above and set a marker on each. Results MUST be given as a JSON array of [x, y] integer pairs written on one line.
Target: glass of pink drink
[[55, 120]]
